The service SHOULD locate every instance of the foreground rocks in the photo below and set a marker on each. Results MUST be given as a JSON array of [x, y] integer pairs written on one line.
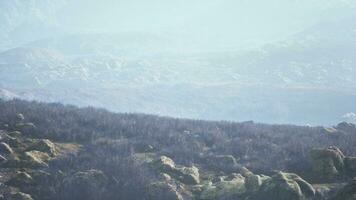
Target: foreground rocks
[[225, 188], [187, 175], [328, 163], [331, 164], [283, 186]]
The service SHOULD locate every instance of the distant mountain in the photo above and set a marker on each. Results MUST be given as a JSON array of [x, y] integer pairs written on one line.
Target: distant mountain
[[308, 79]]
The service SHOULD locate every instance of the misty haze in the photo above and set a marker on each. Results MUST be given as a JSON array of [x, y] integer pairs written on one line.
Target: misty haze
[[177, 100]]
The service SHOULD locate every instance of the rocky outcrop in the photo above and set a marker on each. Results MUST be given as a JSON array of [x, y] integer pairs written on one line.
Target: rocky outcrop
[[162, 191], [186, 175], [330, 164], [89, 185], [284, 186], [327, 163], [45, 146], [225, 188], [35, 159], [253, 182]]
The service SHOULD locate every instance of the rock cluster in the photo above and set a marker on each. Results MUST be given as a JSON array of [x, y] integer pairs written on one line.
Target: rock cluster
[[330, 164], [186, 175]]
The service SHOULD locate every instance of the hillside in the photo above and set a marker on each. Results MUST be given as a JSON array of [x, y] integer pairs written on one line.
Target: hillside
[[52, 151]]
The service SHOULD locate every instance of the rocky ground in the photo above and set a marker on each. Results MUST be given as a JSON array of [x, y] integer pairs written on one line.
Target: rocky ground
[[42, 168]]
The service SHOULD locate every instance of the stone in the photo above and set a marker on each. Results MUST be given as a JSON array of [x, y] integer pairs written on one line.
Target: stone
[[35, 159], [45, 146], [282, 186], [253, 182], [186, 175], [20, 117], [327, 164], [162, 191], [225, 188]]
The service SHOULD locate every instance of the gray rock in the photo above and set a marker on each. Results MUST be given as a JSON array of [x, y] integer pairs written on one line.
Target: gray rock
[[283, 186], [327, 163]]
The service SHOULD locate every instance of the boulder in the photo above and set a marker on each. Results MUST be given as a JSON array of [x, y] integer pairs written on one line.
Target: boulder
[[284, 186], [186, 175], [346, 193], [253, 182], [45, 146], [20, 117], [18, 196], [162, 191], [5, 148], [88, 185], [225, 188], [35, 159], [327, 164]]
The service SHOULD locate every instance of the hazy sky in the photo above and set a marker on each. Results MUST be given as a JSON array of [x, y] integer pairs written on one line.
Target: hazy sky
[[211, 21], [239, 19]]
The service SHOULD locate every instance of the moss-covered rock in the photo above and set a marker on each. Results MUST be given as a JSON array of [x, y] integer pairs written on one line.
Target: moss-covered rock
[[226, 187], [186, 175], [327, 163], [162, 191], [283, 186]]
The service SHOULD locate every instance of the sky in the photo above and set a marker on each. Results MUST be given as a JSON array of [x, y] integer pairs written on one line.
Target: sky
[[232, 20]]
